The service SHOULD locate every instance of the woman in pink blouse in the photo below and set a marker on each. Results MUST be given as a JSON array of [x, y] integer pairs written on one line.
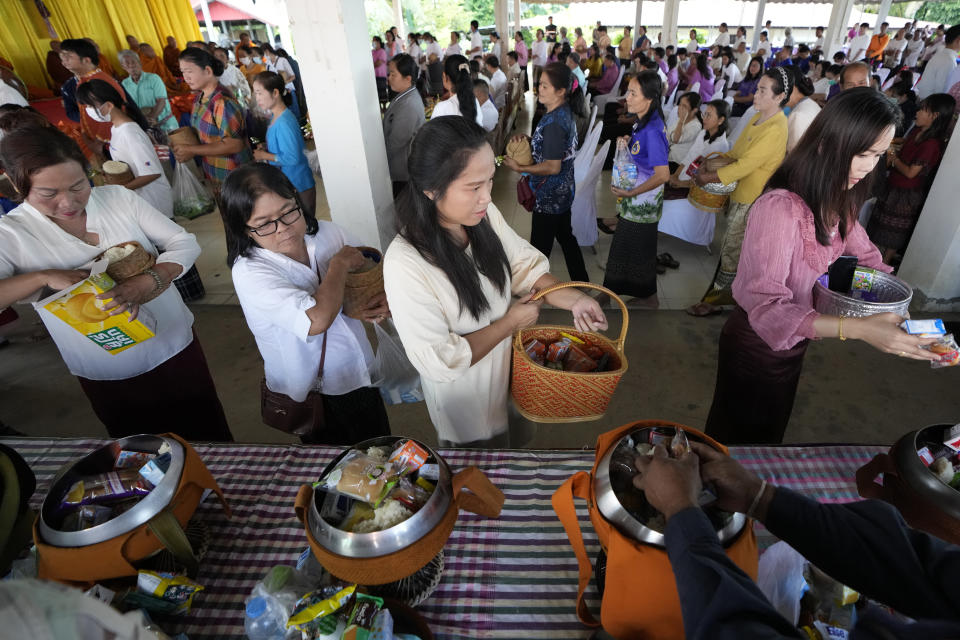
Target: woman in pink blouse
[[805, 221]]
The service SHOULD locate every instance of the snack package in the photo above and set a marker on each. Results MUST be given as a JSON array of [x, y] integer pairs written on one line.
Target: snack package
[[572, 338], [925, 456], [951, 437], [132, 459], [365, 610], [79, 308], [178, 590], [155, 469], [87, 516], [578, 361], [408, 457], [679, 445], [359, 476], [114, 485], [536, 350], [336, 507], [410, 495], [317, 605], [557, 351], [946, 347], [924, 328]]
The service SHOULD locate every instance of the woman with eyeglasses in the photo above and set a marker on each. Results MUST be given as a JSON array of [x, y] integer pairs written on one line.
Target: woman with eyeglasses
[[289, 272]]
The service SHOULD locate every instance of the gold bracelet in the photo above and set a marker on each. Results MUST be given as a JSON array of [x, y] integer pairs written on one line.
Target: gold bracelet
[[840, 330]]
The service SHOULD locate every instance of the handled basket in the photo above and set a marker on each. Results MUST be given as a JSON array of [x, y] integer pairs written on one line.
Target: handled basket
[[711, 197], [547, 395], [183, 135], [360, 288]]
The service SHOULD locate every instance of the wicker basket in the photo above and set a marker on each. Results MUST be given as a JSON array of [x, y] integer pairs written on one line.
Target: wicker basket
[[134, 264], [183, 135], [361, 287], [888, 293], [547, 395], [116, 172]]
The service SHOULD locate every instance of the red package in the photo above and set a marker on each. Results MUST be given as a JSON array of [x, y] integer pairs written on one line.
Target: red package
[[593, 351], [557, 351], [535, 349], [579, 361]]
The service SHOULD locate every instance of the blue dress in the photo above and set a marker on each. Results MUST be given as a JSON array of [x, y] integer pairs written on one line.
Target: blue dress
[[285, 140], [555, 139]]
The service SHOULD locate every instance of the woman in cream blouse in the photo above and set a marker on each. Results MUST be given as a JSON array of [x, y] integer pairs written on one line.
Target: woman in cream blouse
[[450, 278]]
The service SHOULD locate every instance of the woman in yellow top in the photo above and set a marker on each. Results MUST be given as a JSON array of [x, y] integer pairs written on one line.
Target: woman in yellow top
[[594, 62], [757, 153]]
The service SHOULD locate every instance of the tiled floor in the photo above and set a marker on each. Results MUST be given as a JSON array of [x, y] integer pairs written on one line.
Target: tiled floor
[[677, 289]]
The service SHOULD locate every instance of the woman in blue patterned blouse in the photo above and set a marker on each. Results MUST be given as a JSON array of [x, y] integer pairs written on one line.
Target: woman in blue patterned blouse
[[554, 146]]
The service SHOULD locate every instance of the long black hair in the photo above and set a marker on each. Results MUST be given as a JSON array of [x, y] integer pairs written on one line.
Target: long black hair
[[652, 89], [941, 106], [457, 70], [694, 100], [95, 92], [818, 168], [560, 76], [800, 81], [753, 76], [241, 189], [202, 58], [438, 155], [272, 81], [723, 111], [703, 66]]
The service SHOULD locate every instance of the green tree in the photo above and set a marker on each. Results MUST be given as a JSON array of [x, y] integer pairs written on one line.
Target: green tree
[[946, 12], [479, 10]]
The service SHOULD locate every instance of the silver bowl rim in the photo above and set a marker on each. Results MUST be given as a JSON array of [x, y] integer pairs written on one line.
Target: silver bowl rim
[[148, 507], [387, 541], [611, 508], [919, 477]]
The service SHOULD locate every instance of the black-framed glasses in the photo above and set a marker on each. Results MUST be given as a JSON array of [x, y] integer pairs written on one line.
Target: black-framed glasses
[[270, 227]]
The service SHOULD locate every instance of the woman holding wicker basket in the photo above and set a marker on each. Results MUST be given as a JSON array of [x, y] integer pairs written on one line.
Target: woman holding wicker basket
[[451, 276], [51, 240]]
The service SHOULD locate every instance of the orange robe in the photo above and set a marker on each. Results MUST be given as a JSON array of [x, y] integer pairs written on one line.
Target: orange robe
[[252, 72], [171, 58], [157, 66], [106, 67]]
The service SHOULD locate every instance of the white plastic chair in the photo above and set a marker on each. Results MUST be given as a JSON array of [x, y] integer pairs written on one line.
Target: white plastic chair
[[741, 125], [602, 100], [584, 209], [593, 117], [695, 88], [729, 100], [581, 162], [669, 99]]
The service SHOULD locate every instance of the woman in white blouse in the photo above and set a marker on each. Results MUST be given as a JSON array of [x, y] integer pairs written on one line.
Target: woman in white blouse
[[713, 139], [682, 134], [451, 276], [458, 83], [289, 272], [49, 243]]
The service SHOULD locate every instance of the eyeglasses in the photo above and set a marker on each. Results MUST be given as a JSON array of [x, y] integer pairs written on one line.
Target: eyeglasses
[[270, 227]]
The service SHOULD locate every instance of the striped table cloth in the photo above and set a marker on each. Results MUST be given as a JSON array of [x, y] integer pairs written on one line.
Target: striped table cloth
[[512, 577]]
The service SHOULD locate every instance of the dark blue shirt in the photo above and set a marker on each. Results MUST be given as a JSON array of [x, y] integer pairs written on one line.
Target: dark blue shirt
[[555, 139], [68, 91]]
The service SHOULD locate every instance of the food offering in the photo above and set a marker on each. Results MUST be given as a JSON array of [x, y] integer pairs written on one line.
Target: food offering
[[79, 307], [569, 353], [116, 172], [363, 284], [520, 150], [943, 458], [945, 346]]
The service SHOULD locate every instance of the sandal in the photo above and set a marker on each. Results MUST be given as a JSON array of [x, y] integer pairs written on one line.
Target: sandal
[[667, 260], [703, 310]]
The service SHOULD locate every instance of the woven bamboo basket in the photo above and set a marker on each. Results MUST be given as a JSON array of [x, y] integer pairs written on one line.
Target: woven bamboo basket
[[362, 286], [183, 135], [134, 264], [547, 395], [116, 172]]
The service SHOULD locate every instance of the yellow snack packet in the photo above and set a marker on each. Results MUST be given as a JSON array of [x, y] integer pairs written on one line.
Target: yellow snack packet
[[78, 307]]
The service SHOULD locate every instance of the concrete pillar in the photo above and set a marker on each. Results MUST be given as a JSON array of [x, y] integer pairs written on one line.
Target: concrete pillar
[[758, 26], [837, 26], [269, 33], [337, 71], [671, 17], [516, 20], [932, 260], [208, 22], [501, 9], [398, 20], [638, 21], [883, 10]]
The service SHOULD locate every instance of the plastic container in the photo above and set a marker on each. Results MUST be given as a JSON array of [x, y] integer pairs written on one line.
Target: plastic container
[[266, 619]]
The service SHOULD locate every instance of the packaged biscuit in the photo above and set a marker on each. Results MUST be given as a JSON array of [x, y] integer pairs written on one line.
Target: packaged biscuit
[[175, 589], [925, 328], [947, 350], [78, 307], [359, 476]]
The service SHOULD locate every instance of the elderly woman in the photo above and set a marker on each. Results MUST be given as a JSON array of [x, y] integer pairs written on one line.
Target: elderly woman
[[403, 118], [148, 91], [289, 271], [216, 117], [51, 240]]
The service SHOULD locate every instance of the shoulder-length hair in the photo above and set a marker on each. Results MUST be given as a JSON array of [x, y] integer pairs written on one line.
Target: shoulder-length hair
[[243, 186], [438, 155], [818, 168]]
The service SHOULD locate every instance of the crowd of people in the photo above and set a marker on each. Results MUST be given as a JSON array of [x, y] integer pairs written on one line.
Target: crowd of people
[[783, 119]]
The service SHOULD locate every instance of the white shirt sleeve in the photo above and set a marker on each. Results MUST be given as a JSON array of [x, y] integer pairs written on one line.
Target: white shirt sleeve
[[175, 244], [261, 286], [527, 264], [136, 150]]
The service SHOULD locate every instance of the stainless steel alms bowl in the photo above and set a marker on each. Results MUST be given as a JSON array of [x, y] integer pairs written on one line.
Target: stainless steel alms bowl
[[381, 543], [101, 461], [918, 476], [615, 512]]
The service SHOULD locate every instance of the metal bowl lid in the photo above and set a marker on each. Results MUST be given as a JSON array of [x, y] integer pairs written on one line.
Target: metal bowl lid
[[400, 536], [607, 485], [101, 461]]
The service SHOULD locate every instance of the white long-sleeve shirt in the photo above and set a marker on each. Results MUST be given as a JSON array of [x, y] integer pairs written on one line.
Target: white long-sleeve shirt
[[936, 73]]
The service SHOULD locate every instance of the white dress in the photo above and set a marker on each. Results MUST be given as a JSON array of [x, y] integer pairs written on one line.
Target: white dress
[[678, 150], [681, 219], [466, 403]]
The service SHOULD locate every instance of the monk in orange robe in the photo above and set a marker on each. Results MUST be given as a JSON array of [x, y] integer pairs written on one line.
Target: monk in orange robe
[[171, 56], [104, 63], [153, 63]]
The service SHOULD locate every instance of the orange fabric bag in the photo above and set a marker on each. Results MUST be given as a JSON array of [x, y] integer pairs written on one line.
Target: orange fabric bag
[[640, 600]]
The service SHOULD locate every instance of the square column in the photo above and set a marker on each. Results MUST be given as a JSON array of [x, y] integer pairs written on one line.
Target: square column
[[337, 71], [758, 26], [671, 16], [638, 21]]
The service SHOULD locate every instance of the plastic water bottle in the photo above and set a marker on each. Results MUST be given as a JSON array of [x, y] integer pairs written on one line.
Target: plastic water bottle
[[266, 619]]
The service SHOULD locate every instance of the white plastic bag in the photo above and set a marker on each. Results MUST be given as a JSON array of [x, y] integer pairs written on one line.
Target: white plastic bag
[[780, 578], [190, 199], [397, 379], [625, 173]]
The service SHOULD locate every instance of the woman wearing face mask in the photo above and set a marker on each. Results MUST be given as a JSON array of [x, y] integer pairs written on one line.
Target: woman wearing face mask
[[51, 240], [450, 277], [458, 83], [803, 223], [250, 62], [216, 117], [284, 148], [282, 67], [756, 155], [129, 142], [289, 271]]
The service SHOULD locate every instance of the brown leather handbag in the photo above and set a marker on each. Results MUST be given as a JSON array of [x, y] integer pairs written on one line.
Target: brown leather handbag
[[280, 411], [525, 194]]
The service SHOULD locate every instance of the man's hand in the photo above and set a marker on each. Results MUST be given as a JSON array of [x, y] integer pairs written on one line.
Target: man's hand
[[735, 486], [671, 485]]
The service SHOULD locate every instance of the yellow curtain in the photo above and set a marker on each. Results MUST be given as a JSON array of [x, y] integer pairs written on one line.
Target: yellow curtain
[[24, 39]]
